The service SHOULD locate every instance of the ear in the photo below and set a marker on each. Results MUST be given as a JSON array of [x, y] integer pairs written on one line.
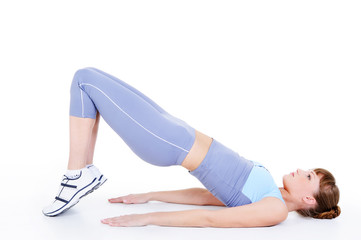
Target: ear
[[309, 200]]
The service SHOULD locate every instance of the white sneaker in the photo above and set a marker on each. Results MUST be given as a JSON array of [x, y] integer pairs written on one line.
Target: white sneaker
[[100, 177], [70, 192]]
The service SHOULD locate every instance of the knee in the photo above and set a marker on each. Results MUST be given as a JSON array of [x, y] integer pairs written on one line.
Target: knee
[[79, 77], [84, 74]]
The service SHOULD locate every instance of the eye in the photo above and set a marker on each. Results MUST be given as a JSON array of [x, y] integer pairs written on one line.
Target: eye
[[309, 176]]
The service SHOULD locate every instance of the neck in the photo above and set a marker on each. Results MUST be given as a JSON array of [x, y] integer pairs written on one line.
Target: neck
[[290, 201]]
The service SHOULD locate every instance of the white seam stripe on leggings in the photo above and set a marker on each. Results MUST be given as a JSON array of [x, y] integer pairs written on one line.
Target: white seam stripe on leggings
[[133, 118]]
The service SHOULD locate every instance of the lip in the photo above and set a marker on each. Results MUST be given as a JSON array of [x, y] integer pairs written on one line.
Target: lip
[[293, 174]]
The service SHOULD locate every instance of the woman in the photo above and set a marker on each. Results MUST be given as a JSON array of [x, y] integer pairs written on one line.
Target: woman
[[245, 187]]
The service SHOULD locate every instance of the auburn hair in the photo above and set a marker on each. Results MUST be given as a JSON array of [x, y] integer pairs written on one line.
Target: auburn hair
[[327, 198]]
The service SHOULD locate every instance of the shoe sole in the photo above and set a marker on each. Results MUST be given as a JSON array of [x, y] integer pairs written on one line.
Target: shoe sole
[[99, 184], [75, 201]]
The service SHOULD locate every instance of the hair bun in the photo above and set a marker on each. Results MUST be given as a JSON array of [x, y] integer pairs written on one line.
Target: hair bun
[[337, 210], [332, 213]]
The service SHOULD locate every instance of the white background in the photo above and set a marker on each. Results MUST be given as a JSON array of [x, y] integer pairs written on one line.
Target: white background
[[276, 81]]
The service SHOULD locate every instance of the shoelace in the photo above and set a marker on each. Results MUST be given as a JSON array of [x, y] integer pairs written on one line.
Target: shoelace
[[65, 185]]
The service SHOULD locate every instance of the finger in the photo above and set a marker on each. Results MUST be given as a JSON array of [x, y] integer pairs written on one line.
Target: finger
[[116, 200], [107, 220], [114, 224]]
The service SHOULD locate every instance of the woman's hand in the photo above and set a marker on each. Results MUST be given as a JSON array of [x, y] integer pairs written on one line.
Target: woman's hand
[[132, 220], [131, 198]]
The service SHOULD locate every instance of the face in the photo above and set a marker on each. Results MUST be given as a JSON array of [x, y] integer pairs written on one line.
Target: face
[[302, 184]]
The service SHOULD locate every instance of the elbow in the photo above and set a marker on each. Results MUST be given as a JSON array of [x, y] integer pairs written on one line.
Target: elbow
[[209, 219], [219, 222]]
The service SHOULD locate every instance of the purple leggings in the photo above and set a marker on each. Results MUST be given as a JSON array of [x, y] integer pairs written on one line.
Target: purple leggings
[[151, 133]]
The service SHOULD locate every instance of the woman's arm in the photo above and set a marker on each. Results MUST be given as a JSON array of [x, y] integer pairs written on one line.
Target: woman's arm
[[267, 212], [194, 196]]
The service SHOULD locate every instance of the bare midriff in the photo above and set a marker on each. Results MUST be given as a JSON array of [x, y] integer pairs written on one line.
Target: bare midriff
[[198, 151]]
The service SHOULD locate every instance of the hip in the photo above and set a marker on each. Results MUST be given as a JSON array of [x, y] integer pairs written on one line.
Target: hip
[[198, 151]]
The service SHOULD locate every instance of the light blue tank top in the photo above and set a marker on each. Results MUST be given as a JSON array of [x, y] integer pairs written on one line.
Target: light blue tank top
[[260, 184]]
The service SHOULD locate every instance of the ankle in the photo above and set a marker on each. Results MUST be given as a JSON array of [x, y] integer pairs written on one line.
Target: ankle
[[73, 173]]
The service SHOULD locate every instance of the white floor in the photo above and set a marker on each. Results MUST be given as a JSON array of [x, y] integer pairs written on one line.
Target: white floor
[[276, 81], [21, 215]]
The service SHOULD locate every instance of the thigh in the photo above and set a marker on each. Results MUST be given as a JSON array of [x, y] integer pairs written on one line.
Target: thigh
[[153, 136], [134, 90]]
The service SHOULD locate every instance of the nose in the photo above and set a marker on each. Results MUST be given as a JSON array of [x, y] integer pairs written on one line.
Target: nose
[[299, 171]]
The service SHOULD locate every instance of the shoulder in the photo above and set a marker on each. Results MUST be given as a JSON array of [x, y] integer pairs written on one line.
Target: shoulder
[[274, 209]]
